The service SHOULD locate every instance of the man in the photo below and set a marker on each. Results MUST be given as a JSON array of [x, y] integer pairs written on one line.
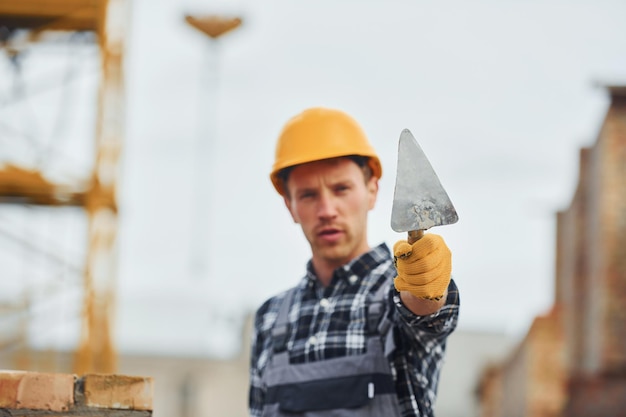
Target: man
[[364, 332]]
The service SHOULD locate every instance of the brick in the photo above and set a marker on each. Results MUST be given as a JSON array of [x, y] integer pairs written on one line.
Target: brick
[[118, 391], [36, 391]]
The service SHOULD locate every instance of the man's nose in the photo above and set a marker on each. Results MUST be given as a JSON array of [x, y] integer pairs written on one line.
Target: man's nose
[[327, 207]]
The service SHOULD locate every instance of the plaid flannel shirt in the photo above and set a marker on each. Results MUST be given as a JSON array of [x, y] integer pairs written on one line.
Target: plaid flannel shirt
[[328, 322]]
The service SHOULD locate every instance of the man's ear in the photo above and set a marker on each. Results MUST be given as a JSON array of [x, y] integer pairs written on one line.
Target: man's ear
[[289, 207], [372, 191]]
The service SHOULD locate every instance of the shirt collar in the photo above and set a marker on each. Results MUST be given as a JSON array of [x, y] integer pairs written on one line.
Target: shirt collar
[[358, 267]]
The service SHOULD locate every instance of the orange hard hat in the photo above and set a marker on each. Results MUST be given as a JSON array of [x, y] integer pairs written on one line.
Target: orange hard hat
[[320, 133]]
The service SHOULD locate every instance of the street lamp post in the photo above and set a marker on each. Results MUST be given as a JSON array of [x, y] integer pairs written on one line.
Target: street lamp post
[[214, 27]]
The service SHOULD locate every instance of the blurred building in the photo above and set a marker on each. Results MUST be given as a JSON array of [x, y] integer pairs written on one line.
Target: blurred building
[[572, 362]]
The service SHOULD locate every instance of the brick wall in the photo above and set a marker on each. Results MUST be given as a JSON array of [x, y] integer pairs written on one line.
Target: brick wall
[[591, 248], [55, 394], [546, 381], [597, 381], [611, 264], [596, 396]]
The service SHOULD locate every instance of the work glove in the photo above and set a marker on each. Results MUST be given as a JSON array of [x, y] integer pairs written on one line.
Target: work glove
[[424, 268]]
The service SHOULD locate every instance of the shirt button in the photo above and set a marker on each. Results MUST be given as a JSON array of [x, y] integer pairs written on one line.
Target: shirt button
[[324, 303], [352, 279], [312, 340]]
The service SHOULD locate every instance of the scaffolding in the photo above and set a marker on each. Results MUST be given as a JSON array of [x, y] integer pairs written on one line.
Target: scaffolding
[[28, 185]]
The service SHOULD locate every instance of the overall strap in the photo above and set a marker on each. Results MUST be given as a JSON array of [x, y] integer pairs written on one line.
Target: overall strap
[[377, 321], [280, 330]]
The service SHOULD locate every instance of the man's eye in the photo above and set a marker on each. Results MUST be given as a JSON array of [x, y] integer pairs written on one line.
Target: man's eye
[[341, 188]]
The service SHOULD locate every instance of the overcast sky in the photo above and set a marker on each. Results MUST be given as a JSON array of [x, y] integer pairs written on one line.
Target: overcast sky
[[499, 94]]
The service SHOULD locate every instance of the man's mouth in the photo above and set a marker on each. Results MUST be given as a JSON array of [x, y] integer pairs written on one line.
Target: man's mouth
[[329, 233]]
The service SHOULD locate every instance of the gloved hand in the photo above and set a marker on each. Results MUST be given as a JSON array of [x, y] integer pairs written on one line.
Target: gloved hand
[[424, 268]]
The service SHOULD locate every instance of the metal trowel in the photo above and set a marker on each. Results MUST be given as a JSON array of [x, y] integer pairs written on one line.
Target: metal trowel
[[419, 200]]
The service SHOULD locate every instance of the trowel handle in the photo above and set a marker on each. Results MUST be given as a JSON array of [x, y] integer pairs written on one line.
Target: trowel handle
[[414, 236]]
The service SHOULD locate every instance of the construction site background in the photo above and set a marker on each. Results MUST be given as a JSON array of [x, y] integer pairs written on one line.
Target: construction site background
[[572, 361]]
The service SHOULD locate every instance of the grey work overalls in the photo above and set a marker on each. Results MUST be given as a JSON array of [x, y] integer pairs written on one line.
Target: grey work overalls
[[350, 386]]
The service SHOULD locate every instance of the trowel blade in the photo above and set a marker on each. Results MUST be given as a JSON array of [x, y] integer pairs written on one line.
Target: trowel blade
[[419, 201]]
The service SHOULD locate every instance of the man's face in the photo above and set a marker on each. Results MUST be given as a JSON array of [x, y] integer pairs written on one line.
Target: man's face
[[330, 200]]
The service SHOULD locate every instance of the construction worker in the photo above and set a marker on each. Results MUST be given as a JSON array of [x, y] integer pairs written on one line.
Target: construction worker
[[363, 333]]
